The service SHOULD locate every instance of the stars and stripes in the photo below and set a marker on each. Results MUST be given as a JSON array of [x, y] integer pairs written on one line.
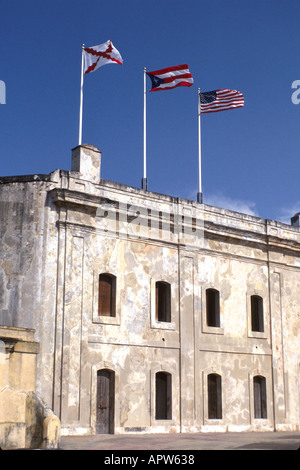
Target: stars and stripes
[[96, 56], [171, 77], [220, 100], [163, 79]]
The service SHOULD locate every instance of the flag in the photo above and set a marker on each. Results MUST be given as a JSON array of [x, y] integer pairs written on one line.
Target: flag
[[96, 56], [171, 77], [220, 100]]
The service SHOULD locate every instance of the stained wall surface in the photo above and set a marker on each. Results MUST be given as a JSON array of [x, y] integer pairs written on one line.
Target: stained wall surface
[[59, 232]]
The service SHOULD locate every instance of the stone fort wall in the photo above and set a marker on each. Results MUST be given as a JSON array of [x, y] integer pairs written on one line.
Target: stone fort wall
[[210, 372]]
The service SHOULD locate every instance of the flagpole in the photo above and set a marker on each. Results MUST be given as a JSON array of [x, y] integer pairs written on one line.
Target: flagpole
[[81, 99], [199, 194], [144, 180]]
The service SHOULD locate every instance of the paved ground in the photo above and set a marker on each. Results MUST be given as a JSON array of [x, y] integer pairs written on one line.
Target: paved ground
[[190, 442]]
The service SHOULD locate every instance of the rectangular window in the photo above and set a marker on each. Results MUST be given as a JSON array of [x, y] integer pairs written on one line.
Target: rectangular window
[[214, 391], [107, 295], [163, 301], [212, 308], [257, 313], [163, 395]]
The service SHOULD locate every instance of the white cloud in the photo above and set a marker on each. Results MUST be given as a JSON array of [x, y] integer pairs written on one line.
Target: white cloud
[[225, 202], [285, 213]]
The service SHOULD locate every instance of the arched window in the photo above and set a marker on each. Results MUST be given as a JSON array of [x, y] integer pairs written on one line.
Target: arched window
[[260, 397], [257, 313], [163, 301], [214, 394], [163, 395], [212, 307], [107, 295]]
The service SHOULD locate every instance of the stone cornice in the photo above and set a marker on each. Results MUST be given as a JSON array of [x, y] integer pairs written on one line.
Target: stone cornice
[[18, 340], [237, 228]]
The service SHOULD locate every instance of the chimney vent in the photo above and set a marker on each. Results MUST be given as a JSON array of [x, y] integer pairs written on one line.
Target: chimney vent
[[86, 159], [295, 221]]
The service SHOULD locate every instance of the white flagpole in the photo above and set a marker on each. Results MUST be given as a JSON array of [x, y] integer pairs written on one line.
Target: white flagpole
[[144, 180], [199, 194], [81, 99]]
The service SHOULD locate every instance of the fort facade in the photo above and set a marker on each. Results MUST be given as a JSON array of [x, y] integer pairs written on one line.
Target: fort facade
[[153, 313]]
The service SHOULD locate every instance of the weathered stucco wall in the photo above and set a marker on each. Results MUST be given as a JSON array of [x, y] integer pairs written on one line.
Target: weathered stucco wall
[[25, 420], [74, 226], [28, 264]]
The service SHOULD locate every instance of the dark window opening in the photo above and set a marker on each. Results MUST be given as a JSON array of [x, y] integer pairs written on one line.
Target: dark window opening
[[163, 301], [107, 295], [257, 314], [212, 307], [163, 395], [214, 390], [260, 397]]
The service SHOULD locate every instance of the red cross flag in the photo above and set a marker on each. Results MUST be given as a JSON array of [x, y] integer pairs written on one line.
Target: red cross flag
[[91, 59], [96, 56]]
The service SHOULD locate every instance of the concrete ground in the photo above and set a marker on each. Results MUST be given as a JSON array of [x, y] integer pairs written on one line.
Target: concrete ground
[[190, 442]]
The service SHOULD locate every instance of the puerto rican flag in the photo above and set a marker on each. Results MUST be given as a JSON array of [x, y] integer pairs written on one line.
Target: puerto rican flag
[[171, 77], [96, 56]]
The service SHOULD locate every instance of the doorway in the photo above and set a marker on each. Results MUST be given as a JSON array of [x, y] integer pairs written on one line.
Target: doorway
[[105, 415]]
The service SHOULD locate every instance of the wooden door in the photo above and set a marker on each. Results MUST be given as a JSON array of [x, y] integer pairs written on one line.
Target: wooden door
[[105, 402]]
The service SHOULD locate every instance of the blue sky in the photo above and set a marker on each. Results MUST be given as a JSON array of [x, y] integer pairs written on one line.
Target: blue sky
[[250, 156]]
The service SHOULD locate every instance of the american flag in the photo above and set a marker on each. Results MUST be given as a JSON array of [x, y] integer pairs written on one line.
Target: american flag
[[220, 100], [171, 77]]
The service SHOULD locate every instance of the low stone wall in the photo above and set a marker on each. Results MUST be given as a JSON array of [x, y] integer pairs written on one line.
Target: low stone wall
[[42, 425], [26, 421]]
